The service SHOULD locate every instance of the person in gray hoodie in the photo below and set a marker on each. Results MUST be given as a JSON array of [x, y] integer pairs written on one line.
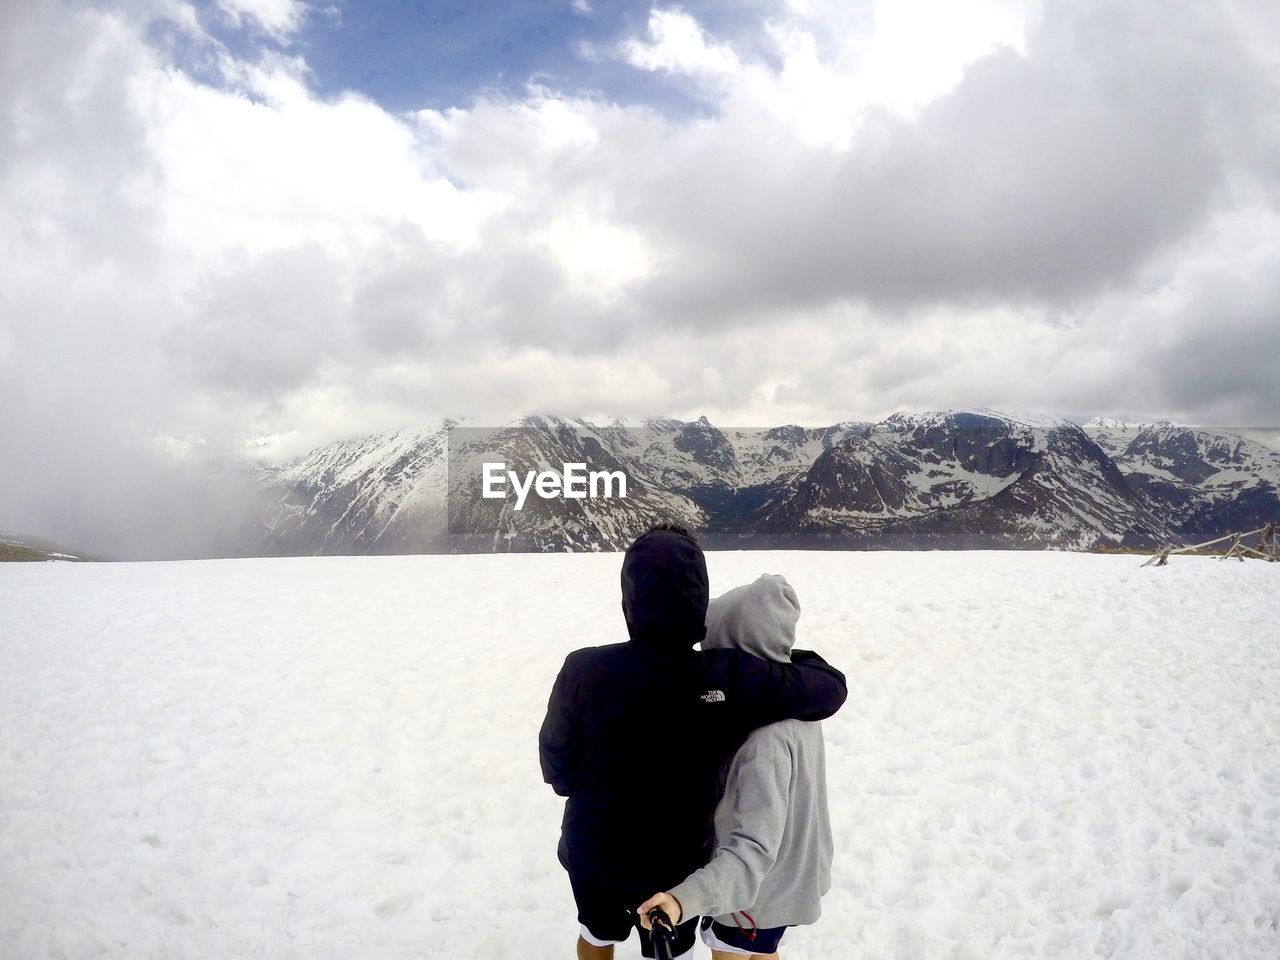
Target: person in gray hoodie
[[772, 862]]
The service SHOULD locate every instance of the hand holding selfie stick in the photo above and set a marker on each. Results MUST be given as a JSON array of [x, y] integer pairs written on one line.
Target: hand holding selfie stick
[[662, 932]]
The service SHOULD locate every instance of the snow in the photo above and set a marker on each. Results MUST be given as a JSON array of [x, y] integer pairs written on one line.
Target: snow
[[1236, 460], [953, 475], [1134, 426], [1027, 419], [1043, 754], [1135, 465], [1106, 423]]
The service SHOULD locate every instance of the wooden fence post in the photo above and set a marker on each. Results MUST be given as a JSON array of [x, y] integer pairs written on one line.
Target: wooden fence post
[[1267, 547]]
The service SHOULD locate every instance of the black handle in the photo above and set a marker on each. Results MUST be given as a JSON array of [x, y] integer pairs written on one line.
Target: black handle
[[662, 933]]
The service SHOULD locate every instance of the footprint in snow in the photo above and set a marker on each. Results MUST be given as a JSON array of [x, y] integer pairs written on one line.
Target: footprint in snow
[[1117, 901], [163, 753], [394, 906]]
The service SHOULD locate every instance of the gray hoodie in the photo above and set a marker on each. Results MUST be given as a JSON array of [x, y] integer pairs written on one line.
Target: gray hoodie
[[773, 830]]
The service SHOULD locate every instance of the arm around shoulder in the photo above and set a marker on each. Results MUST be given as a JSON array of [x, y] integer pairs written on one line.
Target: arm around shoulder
[[807, 688], [825, 688]]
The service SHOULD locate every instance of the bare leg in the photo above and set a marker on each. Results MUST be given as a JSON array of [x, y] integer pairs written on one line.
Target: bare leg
[[589, 951]]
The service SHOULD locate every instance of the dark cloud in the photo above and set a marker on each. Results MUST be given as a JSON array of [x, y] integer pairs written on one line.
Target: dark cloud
[[1217, 360], [266, 328]]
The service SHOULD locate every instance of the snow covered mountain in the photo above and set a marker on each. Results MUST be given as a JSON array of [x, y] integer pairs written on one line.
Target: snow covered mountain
[[1114, 435], [940, 479], [728, 473], [1208, 482], [966, 479], [383, 493]]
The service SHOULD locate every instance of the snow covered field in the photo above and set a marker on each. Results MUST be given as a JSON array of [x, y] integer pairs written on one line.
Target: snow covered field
[[1043, 754]]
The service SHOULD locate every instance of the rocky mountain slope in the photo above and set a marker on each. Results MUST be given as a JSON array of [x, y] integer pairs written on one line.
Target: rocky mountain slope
[[966, 479], [384, 493], [16, 547], [1208, 482]]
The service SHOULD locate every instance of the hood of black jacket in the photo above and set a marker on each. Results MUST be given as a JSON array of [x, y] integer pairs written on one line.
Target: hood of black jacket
[[665, 590]]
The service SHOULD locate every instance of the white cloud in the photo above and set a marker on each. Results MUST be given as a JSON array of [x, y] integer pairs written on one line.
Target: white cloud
[[919, 48], [832, 62], [678, 44], [280, 19], [599, 260], [264, 165]]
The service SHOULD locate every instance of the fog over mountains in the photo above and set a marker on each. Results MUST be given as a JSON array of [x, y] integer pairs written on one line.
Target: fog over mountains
[[951, 479]]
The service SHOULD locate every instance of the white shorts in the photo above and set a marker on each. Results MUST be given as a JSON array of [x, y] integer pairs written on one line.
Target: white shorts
[[715, 943]]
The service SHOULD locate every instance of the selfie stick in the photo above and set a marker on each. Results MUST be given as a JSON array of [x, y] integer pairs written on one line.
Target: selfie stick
[[661, 933]]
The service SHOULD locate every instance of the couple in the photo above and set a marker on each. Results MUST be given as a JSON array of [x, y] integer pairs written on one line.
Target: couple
[[638, 734]]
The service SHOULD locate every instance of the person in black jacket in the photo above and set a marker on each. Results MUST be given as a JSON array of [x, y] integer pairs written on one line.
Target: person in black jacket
[[635, 821]]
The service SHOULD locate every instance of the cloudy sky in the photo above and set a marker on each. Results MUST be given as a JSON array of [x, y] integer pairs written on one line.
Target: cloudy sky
[[258, 225]]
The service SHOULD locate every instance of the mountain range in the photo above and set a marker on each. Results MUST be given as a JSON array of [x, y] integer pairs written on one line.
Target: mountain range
[[948, 479]]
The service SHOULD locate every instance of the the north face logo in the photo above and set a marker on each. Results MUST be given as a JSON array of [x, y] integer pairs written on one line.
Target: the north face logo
[[713, 696]]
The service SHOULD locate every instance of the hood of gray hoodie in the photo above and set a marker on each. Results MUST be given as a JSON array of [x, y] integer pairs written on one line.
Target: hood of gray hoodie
[[758, 617]]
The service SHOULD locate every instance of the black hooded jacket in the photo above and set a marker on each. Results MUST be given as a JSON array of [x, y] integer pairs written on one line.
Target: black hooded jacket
[[636, 732]]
